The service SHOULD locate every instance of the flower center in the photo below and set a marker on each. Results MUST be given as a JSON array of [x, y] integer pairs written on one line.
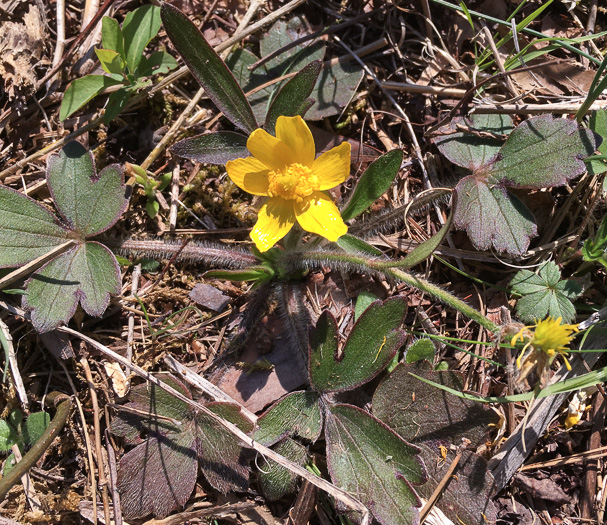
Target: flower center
[[294, 182]]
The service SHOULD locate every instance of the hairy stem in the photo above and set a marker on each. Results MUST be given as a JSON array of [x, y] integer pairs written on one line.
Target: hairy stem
[[351, 262], [193, 252], [39, 448]]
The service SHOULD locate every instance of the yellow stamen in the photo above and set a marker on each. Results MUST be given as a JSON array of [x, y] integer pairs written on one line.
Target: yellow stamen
[[294, 182]]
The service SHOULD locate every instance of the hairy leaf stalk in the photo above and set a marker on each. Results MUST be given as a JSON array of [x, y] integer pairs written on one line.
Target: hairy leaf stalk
[[349, 262], [193, 252]]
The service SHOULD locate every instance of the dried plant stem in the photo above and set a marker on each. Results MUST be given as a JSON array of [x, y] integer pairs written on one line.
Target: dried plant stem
[[97, 429], [39, 448], [246, 440]]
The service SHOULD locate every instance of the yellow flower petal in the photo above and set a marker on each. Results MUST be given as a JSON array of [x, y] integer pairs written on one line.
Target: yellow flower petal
[[333, 167], [296, 134], [274, 153], [249, 174], [319, 214], [276, 218]]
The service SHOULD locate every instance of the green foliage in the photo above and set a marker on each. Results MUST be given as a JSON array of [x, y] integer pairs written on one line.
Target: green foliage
[[14, 431], [595, 250], [541, 152], [430, 418], [208, 68], [89, 204], [172, 442], [545, 294], [275, 480], [151, 187], [123, 61], [371, 345], [373, 183], [420, 350]]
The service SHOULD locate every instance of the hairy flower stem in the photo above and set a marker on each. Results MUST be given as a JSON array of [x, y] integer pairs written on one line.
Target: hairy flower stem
[[193, 252], [379, 266]]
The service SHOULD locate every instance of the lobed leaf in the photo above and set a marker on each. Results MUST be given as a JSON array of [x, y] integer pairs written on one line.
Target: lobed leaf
[[208, 68], [157, 476], [371, 345], [371, 461], [138, 28], [29, 230], [88, 202], [296, 414], [492, 216], [87, 273], [420, 413], [374, 182], [471, 150], [213, 148], [542, 152], [545, 294], [275, 480]]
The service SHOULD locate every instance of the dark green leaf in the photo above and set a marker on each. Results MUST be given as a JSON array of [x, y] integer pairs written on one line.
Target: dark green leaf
[[115, 104], [372, 343], [157, 476], [292, 99], [28, 229], [421, 413], [222, 459], [274, 480], [152, 207], [296, 414], [541, 152], [363, 301], [470, 149], [373, 183], [139, 27], [81, 90], [368, 459], [213, 148], [493, 216], [88, 273], [89, 203], [111, 62], [545, 294], [8, 436], [111, 36], [208, 68]]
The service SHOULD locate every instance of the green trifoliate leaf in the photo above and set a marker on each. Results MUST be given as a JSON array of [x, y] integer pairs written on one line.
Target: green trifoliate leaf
[[545, 294], [274, 480], [478, 144], [368, 459], [89, 202], [86, 274], [372, 343], [28, 231], [139, 27], [296, 414]]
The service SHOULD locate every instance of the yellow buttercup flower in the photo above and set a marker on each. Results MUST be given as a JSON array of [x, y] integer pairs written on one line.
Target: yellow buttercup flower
[[549, 338], [284, 169]]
